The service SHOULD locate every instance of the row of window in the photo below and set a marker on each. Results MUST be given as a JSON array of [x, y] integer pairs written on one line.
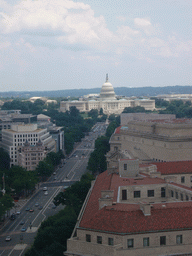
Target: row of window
[[130, 242], [33, 139], [137, 193], [25, 135], [180, 196]]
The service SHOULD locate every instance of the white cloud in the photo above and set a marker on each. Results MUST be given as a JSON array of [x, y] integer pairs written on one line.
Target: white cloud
[[142, 22], [76, 21]]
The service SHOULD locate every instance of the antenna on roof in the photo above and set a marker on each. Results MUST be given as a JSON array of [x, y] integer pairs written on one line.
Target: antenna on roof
[[106, 77]]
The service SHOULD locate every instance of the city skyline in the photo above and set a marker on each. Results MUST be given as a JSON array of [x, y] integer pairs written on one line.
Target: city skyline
[[61, 44]]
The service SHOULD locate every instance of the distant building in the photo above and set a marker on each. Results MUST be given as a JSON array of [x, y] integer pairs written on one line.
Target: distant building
[[13, 139], [107, 101], [172, 97], [7, 117], [135, 212], [29, 156], [57, 134]]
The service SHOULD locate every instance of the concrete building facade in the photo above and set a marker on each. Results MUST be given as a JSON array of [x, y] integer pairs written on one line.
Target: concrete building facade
[[154, 140], [13, 139], [29, 156]]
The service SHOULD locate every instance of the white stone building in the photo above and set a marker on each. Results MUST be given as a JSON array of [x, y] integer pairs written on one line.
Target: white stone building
[[107, 101], [14, 138]]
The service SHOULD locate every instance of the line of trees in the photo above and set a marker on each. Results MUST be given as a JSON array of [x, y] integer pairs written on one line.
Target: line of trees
[[97, 161], [19, 182]]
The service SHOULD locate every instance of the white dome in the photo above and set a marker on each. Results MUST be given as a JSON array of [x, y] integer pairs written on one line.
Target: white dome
[[107, 91]]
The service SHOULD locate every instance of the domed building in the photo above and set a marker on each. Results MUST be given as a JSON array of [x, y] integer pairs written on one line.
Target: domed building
[[107, 91], [107, 101]]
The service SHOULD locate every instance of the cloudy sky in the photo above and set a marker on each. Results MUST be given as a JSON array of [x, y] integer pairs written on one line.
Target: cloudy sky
[[62, 44]]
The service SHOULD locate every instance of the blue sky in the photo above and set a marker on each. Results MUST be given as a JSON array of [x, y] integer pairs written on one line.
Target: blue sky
[[62, 44]]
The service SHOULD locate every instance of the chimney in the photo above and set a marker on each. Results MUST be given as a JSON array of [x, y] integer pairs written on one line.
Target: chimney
[[145, 208]]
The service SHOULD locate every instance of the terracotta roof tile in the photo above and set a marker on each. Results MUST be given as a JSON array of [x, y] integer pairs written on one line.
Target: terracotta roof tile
[[176, 167], [128, 218]]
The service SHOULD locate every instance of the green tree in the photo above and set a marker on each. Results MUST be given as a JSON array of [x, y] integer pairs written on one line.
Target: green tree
[[44, 169], [4, 159]]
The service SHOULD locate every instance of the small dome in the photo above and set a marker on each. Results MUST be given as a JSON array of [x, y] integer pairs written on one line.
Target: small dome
[[107, 91]]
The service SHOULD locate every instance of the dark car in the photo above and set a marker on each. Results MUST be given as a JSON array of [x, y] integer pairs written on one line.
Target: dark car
[[13, 217], [22, 222], [40, 207], [27, 209]]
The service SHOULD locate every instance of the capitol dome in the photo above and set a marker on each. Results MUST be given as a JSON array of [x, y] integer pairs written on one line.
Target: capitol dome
[[107, 91]]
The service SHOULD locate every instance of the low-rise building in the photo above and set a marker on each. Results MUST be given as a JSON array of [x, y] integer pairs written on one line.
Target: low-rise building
[[133, 211], [30, 155]]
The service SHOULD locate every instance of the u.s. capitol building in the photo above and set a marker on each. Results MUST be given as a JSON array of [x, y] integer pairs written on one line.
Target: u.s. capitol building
[[108, 101]]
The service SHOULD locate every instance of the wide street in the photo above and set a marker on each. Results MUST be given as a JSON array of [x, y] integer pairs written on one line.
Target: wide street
[[40, 206]]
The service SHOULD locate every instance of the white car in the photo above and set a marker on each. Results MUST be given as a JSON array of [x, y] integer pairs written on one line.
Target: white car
[[18, 212], [46, 193], [45, 189], [8, 238]]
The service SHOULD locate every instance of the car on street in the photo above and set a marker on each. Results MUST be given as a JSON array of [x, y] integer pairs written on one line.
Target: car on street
[[23, 229], [18, 212], [54, 173], [31, 210], [40, 207], [45, 189], [37, 204], [27, 209], [22, 222], [54, 178], [46, 193], [13, 216], [8, 238]]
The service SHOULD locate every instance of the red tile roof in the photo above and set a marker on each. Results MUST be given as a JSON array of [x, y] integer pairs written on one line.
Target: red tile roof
[[128, 218], [176, 167], [117, 131]]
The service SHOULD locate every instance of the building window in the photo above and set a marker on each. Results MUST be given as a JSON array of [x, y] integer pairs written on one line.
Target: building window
[[130, 243], [179, 239], [181, 197], [172, 193], [182, 179], [124, 194], [187, 198], [137, 194], [176, 195], [110, 241], [99, 239], [162, 240], [163, 194], [146, 241], [150, 193], [88, 238], [125, 167]]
